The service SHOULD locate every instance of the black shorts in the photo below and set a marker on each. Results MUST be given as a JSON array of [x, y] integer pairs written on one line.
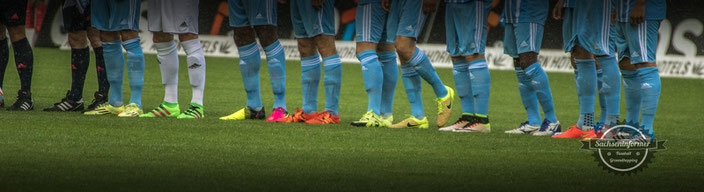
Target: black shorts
[[74, 20], [13, 12]]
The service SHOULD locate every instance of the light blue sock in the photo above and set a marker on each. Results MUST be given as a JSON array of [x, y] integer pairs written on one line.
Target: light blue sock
[[586, 91], [600, 96], [412, 84], [250, 61], [332, 82], [276, 61], [310, 80], [529, 98], [115, 68], [390, 70], [541, 85], [373, 79], [610, 88], [463, 85], [425, 69], [650, 94], [481, 85], [135, 69], [631, 87]]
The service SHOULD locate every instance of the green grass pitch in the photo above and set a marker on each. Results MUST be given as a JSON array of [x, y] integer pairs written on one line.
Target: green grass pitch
[[68, 151]]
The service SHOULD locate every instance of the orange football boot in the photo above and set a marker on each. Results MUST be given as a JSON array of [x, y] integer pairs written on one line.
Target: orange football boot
[[298, 117], [573, 133], [324, 118]]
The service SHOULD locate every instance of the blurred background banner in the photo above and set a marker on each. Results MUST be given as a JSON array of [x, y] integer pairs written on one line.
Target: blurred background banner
[[680, 49]]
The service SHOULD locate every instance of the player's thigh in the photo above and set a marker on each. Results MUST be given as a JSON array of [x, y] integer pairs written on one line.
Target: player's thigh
[[529, 37], [411, 18], [115, 15], [267, 34], [175, 18], [74, 20], [642, 41], [510, 46], [13, 12], [617, 41], [392, 21], [569, 32], [466, 26], [371, 21], [594, 27]]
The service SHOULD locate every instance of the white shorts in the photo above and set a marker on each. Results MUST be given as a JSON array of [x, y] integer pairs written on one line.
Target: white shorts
[[173, 16]]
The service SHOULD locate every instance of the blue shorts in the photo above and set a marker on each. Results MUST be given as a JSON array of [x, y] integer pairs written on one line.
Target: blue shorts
[[115, 15], [371, 23], [589, 26], [406, 18], [309, 22], [522, 37], [465, 27], [245, 13], [638, 42]]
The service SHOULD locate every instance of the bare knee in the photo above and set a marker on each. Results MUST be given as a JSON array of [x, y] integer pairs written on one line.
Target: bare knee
[[267, 34], [244, 36], [476, 56], [528, 58], [385, 47], [109, 36], [325, 45], [160, 37], [306, 47], [16, 32], [77, 39], [94, 37], [405, 47], [365, 46], [187, 37], [625, 64], [128, 35], [580, 53]]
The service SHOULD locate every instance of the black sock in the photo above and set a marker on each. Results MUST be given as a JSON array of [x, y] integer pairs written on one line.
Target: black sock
[[80, 58], [24, 60], [4, 58], [103, 85]]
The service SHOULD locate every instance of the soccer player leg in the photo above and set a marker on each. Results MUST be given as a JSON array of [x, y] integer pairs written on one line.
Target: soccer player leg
[[103, 85], [250, 62], [642, 41], [387, 58], [333, 72], [457, 34], [276, 62], [80, 59], [586, 87], [369, 27], [610, 88], [478, 69], [135, 67], [4, 53], [167, 55], [196, 68], [373, 78], [114, 66], [631, 80], [75, 23], [528, 95], [530, 35], [24, 59], [310, 75], [412, 85]]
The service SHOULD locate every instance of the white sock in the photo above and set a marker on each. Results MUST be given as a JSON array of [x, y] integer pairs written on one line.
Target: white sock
[[168, 63], [196, 68]]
